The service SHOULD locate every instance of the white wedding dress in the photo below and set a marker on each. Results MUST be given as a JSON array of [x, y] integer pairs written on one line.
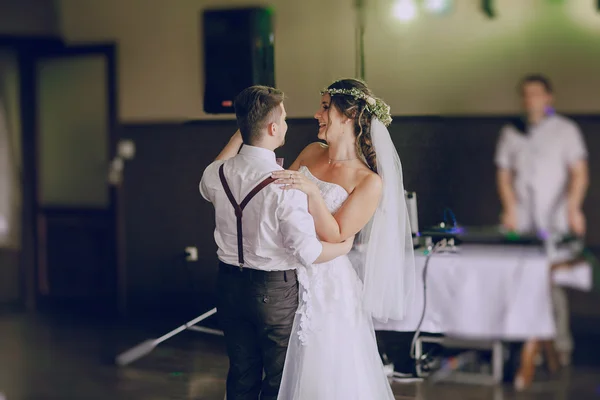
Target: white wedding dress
[[332, 353]]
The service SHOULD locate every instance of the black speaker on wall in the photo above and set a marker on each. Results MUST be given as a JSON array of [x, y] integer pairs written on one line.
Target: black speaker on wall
[[238, 52]]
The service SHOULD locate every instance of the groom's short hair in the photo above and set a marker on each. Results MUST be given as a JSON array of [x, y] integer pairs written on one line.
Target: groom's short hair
[[255, 107]]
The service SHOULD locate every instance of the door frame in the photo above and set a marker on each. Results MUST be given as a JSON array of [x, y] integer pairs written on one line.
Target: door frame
[[30, 256], [21, 46]]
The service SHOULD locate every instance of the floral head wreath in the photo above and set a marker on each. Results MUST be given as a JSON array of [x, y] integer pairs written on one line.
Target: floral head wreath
[[375, 106]]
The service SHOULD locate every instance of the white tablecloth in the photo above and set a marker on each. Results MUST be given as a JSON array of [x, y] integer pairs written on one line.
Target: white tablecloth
[[483, 292]]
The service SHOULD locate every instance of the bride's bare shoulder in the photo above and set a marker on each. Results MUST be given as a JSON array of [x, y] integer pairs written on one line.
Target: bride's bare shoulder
[[314, 149], [368, 179], [309, 154]]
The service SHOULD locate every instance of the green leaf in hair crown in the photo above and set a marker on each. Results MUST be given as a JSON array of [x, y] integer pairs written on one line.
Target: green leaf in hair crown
[[375, 106]]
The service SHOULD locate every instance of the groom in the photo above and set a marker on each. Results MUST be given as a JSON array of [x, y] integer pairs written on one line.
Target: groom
[[263, 234]]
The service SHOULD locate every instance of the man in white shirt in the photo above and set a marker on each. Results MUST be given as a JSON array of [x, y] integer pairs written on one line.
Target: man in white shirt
[[263, 234], [542, 180]]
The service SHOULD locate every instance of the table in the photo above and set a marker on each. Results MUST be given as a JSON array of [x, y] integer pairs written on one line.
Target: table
[[483, 292], [492, 292]]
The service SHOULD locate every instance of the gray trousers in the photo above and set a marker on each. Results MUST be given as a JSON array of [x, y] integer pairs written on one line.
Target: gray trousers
[[560, 303], [256, 311]]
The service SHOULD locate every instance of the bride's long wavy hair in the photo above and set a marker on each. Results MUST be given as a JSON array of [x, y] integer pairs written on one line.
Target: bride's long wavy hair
[[356, 109]]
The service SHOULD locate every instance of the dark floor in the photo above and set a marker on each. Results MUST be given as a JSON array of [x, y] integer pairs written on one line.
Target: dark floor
[[43, 358]]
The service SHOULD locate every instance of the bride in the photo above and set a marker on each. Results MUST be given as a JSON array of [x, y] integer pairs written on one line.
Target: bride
[[354, 186]]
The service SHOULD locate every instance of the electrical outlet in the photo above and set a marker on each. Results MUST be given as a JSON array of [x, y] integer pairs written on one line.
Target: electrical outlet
[[191, 254]]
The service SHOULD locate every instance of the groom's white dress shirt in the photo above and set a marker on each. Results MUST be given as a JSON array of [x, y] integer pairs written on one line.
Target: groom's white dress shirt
[[279, 233]]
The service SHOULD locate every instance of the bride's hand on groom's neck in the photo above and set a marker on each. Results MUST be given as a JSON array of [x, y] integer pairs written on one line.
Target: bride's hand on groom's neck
[[232, 148]]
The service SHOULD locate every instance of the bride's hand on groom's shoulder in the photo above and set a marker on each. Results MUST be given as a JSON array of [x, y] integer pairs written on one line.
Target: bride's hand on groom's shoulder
[[287, 179]]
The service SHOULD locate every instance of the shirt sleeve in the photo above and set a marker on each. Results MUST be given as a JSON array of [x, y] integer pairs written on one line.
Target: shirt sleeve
[[298, 227], [502, 157], [210, 178], [575, 148]]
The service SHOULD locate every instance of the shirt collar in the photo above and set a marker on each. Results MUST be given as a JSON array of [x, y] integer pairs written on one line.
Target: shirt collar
[[258, 152]]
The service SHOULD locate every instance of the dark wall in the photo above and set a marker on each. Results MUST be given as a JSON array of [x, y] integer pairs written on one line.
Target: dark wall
[[29, 17], [9, 276], [447, 161]]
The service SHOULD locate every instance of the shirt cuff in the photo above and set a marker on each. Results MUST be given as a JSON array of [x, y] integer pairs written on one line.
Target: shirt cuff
[[581, 155], [502, 162], [209, 176], [202, 192], [309, 254]]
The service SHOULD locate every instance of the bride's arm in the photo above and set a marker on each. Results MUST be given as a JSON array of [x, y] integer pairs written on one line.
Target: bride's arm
[[354, 214], [232, 148]]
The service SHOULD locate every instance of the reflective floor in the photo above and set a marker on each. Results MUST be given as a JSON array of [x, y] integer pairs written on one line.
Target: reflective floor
[[43, 358]]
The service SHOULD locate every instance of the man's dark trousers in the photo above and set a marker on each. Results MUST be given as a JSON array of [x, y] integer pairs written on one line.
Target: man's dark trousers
[[256, 311]]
